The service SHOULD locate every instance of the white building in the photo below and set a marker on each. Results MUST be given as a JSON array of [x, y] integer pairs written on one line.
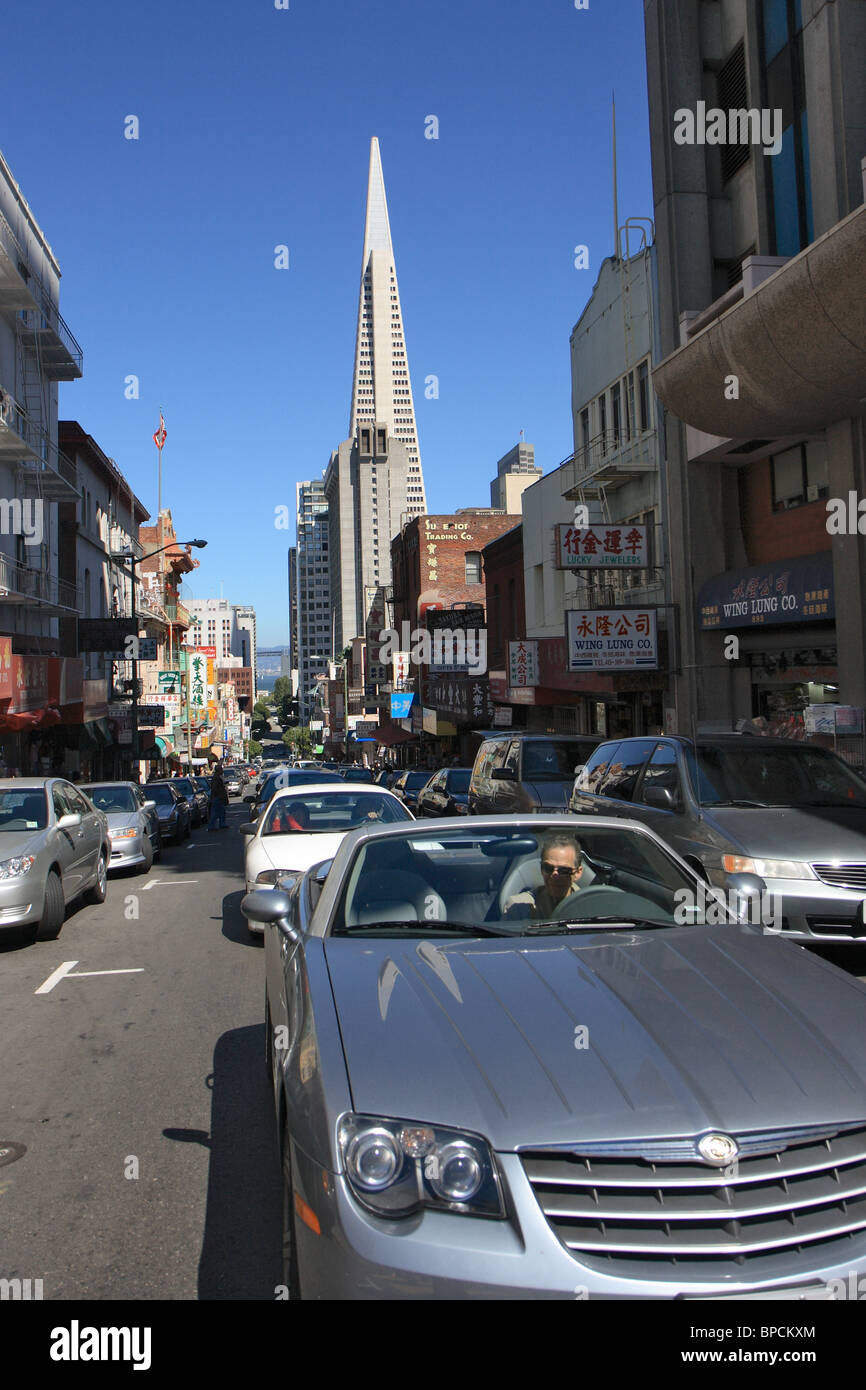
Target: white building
[[37, 351]]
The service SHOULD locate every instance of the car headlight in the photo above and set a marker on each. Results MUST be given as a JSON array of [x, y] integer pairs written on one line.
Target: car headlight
[[15, 868], [767, 868], [271, 876], [396, 1167], [122, 834]]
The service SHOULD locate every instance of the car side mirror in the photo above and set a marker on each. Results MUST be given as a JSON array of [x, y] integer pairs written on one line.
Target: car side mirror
[[746, 895], [660, 798], [150, 805], [67, 822], [503, 774], [248, 828], [266, 905]]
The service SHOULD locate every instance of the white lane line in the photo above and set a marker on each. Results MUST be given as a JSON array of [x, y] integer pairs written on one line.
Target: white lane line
[[168, 883], [64, 971], [55, 977], [83, 974]]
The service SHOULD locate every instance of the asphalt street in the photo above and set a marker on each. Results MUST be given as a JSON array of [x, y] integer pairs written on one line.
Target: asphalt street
[[150, 1167]]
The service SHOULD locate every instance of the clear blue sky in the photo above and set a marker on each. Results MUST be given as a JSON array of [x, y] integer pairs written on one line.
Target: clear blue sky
[[255, 126]]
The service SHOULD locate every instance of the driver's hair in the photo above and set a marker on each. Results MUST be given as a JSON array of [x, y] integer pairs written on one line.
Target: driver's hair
[[561, 839]]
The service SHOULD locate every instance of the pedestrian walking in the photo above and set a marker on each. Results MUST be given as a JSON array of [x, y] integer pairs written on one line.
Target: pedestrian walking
[[219, 799]]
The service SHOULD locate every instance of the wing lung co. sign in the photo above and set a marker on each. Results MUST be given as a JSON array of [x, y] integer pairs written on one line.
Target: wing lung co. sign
[[604, 639]]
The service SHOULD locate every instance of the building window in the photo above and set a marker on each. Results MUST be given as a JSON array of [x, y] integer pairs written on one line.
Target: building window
[[602, 420], [733, 95], [617, 415], [643, 395], [799, 475], [789, 192]]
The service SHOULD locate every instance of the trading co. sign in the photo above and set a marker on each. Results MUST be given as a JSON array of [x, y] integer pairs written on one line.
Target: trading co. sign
[[604, 639]]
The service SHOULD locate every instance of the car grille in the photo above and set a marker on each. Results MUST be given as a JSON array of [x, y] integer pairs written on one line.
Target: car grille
[[608, 1209], [843, 875]]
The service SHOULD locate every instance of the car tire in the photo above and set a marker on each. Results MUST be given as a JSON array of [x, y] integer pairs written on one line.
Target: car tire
[[96, 894], [146, 867], [54, 909], [290, 1275], [157, 853]]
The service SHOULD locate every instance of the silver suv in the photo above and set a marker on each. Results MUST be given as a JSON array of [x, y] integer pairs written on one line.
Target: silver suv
[[793, 814], [526, 772]]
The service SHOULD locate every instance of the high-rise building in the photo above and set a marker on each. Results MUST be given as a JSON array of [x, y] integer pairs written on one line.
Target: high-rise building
[[312, 617], [515, 471], [229, 627], [245, 637], [373, 482], [757, 119]]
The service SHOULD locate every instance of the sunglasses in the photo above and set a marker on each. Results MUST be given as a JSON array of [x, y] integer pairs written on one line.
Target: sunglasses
[[559, 870]]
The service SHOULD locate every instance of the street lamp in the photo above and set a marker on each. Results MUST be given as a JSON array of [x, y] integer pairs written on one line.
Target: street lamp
[[133, 561]]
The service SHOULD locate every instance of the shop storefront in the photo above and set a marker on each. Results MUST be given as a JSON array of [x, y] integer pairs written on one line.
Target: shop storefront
[[783, 617]]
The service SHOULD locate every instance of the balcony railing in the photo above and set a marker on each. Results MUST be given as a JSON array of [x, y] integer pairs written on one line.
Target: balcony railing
[[609, 457], [20, 584], [23, 290]]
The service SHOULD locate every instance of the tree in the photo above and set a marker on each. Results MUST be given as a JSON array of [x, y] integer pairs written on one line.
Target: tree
[[299, 741], [282, 687], [254, 749]]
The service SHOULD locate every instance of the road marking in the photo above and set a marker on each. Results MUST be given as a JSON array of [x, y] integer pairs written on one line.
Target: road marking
[[168, 883], [55, 977], [64, 971]]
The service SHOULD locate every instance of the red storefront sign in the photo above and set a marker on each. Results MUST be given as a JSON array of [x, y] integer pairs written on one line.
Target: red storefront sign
[[6, 684]]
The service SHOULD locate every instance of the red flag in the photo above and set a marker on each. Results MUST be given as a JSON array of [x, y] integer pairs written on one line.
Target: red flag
[[159, 437]]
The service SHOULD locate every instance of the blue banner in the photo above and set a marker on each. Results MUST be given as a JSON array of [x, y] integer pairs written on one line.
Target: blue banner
[[799, 590], [401, 705]]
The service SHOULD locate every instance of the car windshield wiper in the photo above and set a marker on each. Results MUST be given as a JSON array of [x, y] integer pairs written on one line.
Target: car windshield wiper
[[561, 926], [425, 926], [737, 801]]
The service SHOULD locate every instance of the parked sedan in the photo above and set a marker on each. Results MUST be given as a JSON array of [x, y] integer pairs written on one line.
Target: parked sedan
[[133, 823], [355, 773], [512, 1068], [54, 845], [173, 809], [408, 785], [196, 796], [306, 824], [446, 794]]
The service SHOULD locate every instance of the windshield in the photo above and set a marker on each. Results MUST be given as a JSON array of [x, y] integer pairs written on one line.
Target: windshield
[[458, 781], [518, 881], [330, 813], [414, 780], [160, 793], [795, 776], [23, 810], [110, 799], [184, 786], [550, 760]]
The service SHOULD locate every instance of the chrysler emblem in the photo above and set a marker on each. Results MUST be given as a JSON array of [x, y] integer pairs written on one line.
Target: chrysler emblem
[[718, 1149]]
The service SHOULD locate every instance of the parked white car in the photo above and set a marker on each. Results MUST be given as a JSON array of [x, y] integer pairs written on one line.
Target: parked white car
[[304, 825]]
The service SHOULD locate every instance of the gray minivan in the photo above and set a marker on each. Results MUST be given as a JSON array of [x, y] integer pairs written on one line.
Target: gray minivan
[[793, 814], [526, 772]]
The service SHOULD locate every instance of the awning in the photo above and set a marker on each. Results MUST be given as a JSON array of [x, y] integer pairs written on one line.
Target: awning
[[798, 590], [387, 738], [165, 746]]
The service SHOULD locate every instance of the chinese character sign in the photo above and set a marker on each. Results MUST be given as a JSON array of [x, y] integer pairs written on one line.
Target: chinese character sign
[[604, 546], [611, 638], [198, 681], [523, 663]]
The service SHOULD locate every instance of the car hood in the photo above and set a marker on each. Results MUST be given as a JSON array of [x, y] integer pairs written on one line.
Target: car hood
[[13, 842], [686, 1030], [553, 793], [789, 832], [294, 851], [122, 820]]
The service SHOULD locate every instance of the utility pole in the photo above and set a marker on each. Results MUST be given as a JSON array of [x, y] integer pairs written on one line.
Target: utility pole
[[135, 749]]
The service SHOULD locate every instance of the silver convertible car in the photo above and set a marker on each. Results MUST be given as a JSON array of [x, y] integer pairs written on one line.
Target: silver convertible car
[[54, 845], [538, 1057]]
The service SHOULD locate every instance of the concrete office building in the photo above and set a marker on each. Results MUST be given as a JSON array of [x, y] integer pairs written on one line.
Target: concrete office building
[[245, 638], [762, 263], [515, 471], [311, 619], [373, 482], [230, 627]]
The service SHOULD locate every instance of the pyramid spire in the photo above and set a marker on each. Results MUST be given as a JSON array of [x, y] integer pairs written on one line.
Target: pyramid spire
[[381, 388], [377, 228]]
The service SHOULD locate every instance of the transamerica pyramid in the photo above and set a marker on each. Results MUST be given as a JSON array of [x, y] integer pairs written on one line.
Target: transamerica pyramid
[[381, 388]]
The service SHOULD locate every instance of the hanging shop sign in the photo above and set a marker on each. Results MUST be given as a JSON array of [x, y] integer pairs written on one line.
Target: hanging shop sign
[[601, 547], [605, 639]]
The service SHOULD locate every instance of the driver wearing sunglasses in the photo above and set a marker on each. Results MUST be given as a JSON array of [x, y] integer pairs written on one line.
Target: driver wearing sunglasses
[[561, 871]]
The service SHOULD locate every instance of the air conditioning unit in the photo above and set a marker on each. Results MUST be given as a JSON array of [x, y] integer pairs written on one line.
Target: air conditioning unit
[[812, 492]]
